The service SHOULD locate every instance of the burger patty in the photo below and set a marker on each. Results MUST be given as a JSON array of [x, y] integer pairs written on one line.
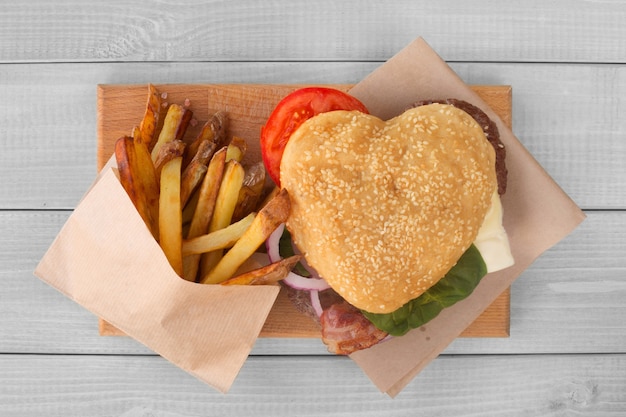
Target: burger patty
[[489, 127], [302, 299]]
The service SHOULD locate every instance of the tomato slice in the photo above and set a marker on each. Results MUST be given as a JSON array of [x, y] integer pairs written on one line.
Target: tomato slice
[[291, 112]]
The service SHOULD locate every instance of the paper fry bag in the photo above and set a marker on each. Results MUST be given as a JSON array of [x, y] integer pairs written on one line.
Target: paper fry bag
[[537, 213], [106, 260]]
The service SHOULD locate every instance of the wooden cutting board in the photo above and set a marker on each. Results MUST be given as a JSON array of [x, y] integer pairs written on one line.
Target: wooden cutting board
[[120, 107]]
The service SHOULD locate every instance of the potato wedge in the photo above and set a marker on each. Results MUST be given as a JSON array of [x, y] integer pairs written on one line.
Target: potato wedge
[[236, 149], [251, 191], [205, 152], [270, 195], [207, 195], [138, 177], [220, 239], [174, 127], [191, 178], [227, 195], [167, 152], [267, 220], [267, 275], [203, 207], [170, 214], [255, 177], [194, 173], [145, 171], [150, 121], [136, 133], [219, 125], [214, 130], [190, 208], [225, 204]]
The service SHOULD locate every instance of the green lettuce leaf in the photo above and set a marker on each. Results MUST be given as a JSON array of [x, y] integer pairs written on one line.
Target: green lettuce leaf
[[285, 248], [456, 285]]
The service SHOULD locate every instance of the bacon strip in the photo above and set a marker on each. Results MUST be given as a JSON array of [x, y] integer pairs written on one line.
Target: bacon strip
[[345, 329]]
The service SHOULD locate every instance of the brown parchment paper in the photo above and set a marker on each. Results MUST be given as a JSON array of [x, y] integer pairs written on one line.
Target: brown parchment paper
[[106, 260], [537, 213]]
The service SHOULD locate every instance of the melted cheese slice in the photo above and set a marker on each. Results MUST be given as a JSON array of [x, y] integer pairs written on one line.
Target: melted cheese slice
[[492, 241]]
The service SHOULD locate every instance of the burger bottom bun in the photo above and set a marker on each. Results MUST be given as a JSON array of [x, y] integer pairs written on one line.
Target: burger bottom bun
[[383, 209]]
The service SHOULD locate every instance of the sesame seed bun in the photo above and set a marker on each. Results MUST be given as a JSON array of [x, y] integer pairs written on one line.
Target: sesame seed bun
[[383, 209]]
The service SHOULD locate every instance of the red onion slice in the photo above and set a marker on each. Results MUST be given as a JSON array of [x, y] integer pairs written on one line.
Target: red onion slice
[[312, 272], [273, 243], [316, 303], [303, 283], [293, 280]]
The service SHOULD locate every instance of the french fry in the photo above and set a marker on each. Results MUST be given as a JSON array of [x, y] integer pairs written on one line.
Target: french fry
[[250, 193], [190, 208], [138, 178], [267, 275], [236, 149], [184, 123], [255, 177], [174, 127], [227, 195], [149, 177], [204, 207], [205, 152], [225, 204], [201, 205], [273, 192], [214, 130], [136, 133], [220, 239], [195, 171], [207, 195], [170, 214], [267, 220], [150, 121], [191, 178], [219, 125], [167, 152]]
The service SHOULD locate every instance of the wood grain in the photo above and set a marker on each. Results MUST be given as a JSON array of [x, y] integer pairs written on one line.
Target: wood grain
[[248, 106], [559, 113], [569, 301], [93, 31], [461, 386]]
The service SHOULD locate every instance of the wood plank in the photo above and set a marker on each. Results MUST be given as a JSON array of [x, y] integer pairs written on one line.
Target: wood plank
[[530, 31], [571, 300], [48, 115], [134, 386], [285, 321], [248, 106]]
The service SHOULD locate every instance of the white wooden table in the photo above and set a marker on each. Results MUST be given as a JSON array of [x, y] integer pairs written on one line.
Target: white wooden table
[[566, 63]]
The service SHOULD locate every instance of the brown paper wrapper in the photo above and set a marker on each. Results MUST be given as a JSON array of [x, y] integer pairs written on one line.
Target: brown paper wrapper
[[537, 213], [105, 259]]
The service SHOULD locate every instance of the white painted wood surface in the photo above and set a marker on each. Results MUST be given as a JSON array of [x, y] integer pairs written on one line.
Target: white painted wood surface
[[566, 62]]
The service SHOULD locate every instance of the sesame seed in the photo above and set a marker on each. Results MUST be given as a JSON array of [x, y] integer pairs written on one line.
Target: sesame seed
[[370, 200]]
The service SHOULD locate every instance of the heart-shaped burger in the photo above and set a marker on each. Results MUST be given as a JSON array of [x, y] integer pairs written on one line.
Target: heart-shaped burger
[[383, 209]]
